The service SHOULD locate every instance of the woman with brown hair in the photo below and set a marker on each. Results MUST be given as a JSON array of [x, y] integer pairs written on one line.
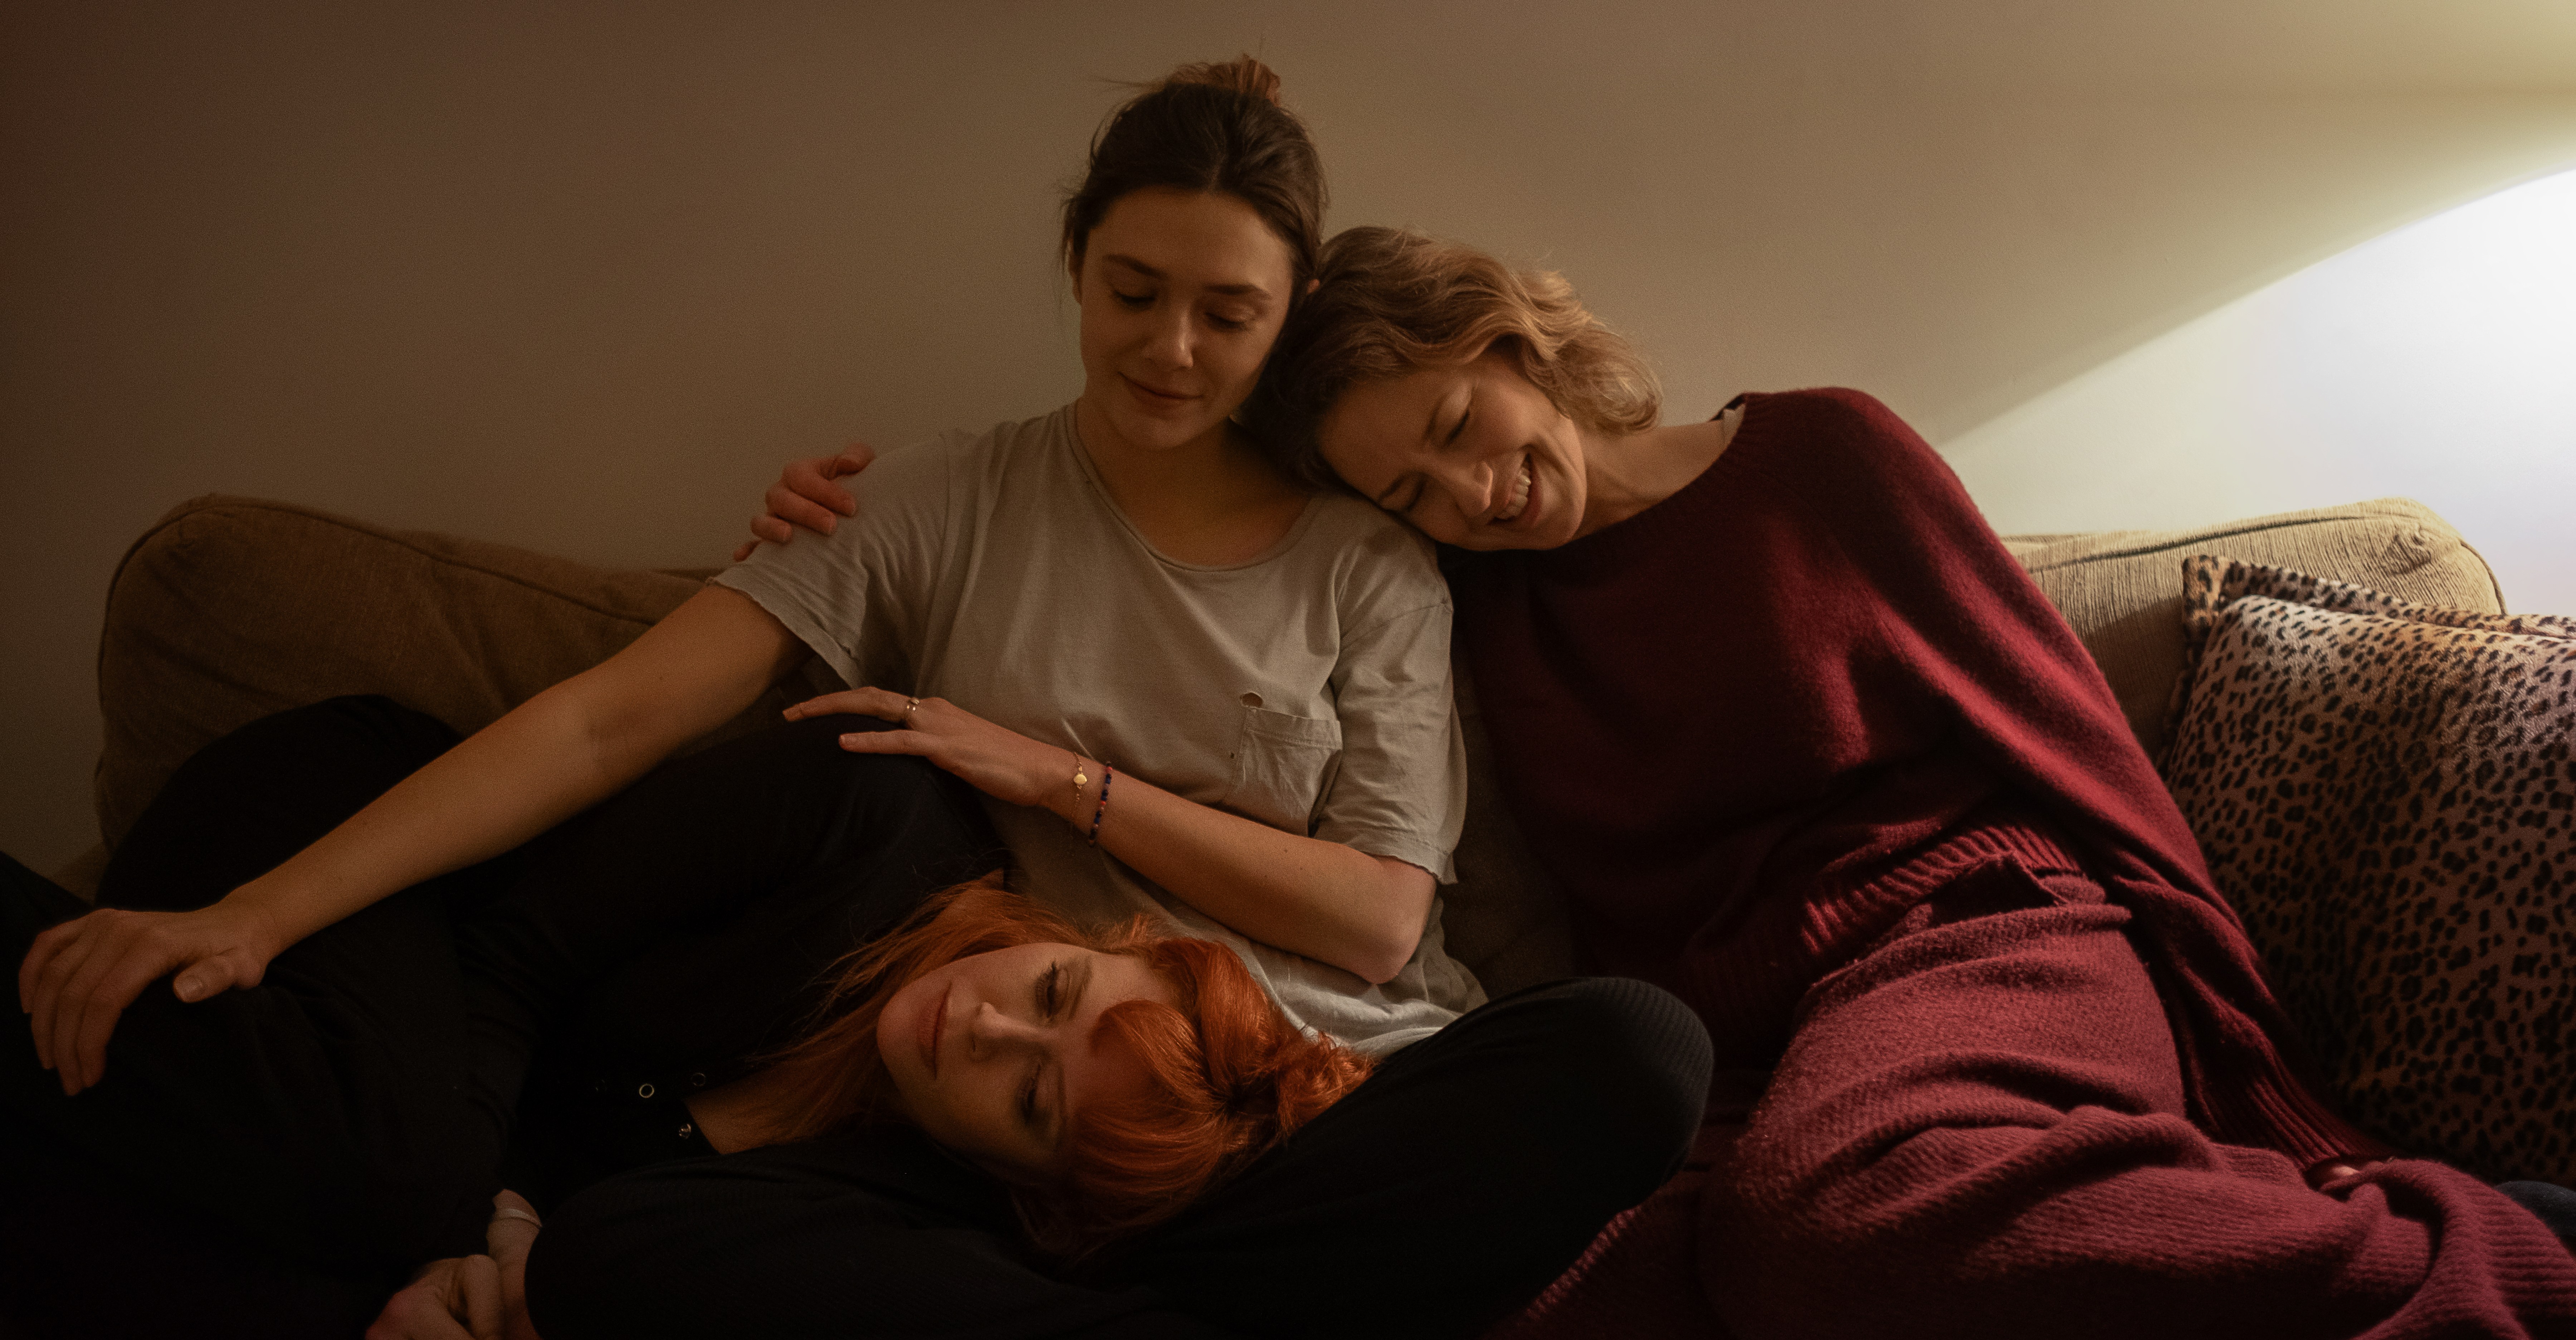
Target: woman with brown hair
[[1183, 687]]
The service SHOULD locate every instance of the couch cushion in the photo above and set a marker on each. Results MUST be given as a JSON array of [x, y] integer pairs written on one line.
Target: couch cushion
[[2387, 792], [2123, 589], [232, 608]]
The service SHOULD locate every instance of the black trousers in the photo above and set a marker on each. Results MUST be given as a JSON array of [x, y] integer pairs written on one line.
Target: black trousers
[[293, 1147], [321, 1133]]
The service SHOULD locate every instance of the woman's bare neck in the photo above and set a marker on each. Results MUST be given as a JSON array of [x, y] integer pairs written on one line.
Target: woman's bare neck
[[1625, 474], [1212, 501]]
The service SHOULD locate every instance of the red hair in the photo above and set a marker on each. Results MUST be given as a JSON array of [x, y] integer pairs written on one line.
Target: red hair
[[1228, 1076]]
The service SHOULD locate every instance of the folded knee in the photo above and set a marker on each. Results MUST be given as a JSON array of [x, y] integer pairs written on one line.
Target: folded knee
[[582, 1270], [1635, 1057], [1818, 1227]]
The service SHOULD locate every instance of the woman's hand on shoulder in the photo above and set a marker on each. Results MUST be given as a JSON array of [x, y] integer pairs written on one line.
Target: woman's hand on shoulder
[[78, 977], [806, 496], [1001, 763]]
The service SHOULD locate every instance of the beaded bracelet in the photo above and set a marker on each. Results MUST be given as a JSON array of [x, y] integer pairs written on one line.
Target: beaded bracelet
[[1097, 814]]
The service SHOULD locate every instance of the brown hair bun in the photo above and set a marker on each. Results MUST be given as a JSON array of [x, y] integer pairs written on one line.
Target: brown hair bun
[[1215, 127], [1243, 75]]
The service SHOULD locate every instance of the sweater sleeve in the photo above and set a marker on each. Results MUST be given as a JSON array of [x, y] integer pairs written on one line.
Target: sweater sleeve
[[1963, 624], [1960, 622]]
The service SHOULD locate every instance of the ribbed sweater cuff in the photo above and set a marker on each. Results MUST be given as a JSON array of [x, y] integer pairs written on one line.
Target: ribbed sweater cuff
[[2276, 1111], [1747, 993]]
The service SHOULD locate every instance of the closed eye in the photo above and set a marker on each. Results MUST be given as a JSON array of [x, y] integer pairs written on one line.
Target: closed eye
[[1050, 998], [1133, 301], [1400, 496]]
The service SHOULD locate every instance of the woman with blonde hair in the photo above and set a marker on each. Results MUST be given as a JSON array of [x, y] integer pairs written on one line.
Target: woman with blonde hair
[[1805, 744]]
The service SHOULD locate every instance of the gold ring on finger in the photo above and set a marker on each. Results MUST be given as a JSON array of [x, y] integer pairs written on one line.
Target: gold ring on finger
[[908, 710]]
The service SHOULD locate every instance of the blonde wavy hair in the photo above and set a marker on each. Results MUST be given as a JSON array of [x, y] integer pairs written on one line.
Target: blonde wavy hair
[[1392, 301]]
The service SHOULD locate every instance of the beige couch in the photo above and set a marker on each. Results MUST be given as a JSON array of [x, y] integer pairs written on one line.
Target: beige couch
[[232, 608]]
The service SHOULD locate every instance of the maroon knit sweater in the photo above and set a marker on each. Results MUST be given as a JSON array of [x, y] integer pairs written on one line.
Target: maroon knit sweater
[[1751, 726]]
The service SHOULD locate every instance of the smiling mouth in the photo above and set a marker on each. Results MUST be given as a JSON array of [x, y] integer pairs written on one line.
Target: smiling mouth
[[1519, 501], [1154, 396]]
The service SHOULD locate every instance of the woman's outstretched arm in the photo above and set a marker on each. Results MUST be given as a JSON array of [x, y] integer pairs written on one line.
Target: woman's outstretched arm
[[551, 757]]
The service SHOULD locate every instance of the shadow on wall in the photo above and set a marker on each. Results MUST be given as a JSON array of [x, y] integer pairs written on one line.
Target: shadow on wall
[[2436, 362]]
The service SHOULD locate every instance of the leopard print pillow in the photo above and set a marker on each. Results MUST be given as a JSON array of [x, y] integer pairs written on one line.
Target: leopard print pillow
[[2387, 791]]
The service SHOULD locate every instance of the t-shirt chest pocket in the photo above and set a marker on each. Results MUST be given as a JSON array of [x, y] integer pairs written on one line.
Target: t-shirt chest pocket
[[1283, 765]]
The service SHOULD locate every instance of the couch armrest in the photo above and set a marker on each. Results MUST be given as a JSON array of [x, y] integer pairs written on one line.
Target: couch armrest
[[228, 609]]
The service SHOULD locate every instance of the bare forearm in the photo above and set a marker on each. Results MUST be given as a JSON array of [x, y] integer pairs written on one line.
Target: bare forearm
[[552, 757], [557, 753], [1322, 899], [447, 815]]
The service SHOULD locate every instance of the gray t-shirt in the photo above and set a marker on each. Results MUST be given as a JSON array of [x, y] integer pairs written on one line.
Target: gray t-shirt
[[1307, 689]]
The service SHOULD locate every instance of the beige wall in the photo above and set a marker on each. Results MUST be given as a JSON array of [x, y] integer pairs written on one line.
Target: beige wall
[[579, 276], [2435, 362]]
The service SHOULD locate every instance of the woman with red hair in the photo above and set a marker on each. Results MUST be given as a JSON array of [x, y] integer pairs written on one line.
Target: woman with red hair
[[1104, 1078]]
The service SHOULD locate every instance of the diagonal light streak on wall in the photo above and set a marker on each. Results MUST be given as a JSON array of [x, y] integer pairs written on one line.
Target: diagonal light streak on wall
[[2437, 362]]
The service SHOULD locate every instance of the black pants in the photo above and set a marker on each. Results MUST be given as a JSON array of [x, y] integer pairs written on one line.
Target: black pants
[[350, 1113], [290, 1151]]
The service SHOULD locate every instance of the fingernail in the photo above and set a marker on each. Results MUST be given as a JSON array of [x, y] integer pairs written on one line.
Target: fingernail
[[188, 988]]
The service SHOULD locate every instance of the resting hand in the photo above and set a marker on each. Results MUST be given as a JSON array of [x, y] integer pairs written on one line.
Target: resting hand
[[2335, 1170], [79, 976], [1003, 764], [512, 1232], [455, 1299], [470, 1297], [806, 496]]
